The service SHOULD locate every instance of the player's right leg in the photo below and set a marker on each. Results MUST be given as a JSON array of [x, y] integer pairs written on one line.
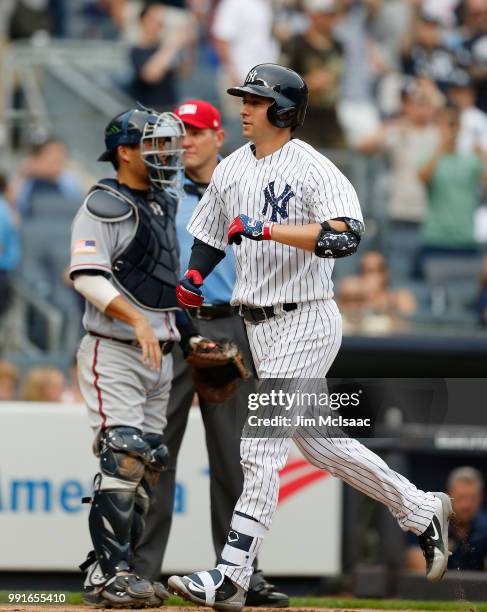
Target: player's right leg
[[114, 385]]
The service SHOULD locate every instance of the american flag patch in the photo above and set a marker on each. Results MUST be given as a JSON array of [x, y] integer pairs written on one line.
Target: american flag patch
[[84, 246]]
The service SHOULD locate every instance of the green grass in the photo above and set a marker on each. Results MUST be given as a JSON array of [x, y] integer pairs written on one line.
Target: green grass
[[386, 604], [327, 602]]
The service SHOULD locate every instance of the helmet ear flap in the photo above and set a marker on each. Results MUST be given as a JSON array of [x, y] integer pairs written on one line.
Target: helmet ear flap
[[281, 117]]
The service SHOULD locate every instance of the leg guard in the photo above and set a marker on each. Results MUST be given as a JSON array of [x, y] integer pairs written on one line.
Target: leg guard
[[159, 458], [124, 455]]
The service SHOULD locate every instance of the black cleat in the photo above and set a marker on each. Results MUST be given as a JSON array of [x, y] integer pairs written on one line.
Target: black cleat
[[263, 594], [120, 591], [434, 541]]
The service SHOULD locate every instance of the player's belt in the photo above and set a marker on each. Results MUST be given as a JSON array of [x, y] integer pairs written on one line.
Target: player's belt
[[262, 313], [208, 312], [166, 345]]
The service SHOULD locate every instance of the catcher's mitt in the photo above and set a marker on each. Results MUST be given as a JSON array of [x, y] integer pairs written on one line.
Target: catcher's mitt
[[216, 368]]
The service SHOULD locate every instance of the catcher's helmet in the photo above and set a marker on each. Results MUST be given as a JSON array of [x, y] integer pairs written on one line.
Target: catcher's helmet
[[124, 129], [159, 135], [284, 86]]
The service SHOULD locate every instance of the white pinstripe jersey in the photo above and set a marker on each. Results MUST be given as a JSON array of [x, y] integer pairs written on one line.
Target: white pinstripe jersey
[[295, 185]]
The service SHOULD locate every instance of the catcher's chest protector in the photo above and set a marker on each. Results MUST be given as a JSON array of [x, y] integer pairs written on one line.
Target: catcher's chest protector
[[148, 267]]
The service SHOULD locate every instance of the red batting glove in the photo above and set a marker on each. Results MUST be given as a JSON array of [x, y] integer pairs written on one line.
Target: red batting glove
[[188, 293]]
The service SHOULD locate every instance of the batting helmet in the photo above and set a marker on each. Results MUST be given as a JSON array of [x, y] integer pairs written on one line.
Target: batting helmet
[[284, 86]]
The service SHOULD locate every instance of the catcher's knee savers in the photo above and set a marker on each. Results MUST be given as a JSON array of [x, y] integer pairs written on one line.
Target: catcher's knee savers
[[121, 497]]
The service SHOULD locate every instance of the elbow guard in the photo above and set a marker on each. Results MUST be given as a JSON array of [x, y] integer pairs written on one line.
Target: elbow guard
[[335, 244]]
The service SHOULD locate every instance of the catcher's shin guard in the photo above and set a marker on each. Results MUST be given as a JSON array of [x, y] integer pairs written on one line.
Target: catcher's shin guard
[[124, 455], [159, 457]]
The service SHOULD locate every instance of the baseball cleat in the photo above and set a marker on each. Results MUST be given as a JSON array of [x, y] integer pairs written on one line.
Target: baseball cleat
[[209, 588], [160, 595], [120, 591], [434, 541], [262, 594]]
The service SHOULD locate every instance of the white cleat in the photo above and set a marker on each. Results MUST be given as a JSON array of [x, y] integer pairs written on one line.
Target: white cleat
[[209, 588]]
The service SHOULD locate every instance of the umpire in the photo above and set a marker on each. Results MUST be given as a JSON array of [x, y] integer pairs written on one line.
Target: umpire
[[223, 424]]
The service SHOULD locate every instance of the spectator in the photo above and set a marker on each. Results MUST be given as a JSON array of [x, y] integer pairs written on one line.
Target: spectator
[[374, 274], [453, 183], [43, 384], [472, 137], [473, 54], [9, 248], [407, 140], [29, 17], [9, 380], [468, 528], [242, 34], [155, 61], [482, 299], [44, 174], [318, 57], [368, 303], [364, 63], [428, 56]]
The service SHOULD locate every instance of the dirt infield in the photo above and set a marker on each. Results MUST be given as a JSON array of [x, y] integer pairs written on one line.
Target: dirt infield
[[64, 608]]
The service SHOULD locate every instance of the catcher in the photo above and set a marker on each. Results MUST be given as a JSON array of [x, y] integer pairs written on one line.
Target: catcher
[[124, 262], [223, 414]]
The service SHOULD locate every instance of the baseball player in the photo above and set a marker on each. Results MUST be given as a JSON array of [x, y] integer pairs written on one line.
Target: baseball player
[[223, 423], [125, 263], [291, 213]]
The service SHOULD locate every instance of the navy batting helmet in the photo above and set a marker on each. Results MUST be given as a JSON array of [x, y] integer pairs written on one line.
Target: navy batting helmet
[[284, 86], [124, 129]]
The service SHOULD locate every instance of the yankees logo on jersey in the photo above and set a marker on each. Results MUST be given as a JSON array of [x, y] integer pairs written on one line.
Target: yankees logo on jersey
[[295, 185], [277, 203]]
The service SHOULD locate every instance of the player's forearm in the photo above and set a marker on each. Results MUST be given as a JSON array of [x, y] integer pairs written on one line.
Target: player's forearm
[[103, 295], [119, 308], [204, 257], [303, 236]]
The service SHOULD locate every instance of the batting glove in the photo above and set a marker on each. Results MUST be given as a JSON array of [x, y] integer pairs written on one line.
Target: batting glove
[[248, 228], [188, 292]]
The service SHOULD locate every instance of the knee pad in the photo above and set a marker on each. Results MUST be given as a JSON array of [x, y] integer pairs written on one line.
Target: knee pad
[[159, 458], [124, 454]]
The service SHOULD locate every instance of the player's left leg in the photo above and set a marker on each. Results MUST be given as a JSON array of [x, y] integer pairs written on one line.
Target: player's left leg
[[283, 347], [155, 420]]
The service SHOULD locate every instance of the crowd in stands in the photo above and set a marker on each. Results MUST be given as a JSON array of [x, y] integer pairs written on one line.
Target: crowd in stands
[[398, 83], [39, 384]]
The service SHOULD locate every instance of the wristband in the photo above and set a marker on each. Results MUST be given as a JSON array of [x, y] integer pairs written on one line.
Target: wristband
[[267, 230]]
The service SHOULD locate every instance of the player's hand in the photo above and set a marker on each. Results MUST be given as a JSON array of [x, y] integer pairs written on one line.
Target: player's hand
[[248, 228], [149, 343], [188, 292]]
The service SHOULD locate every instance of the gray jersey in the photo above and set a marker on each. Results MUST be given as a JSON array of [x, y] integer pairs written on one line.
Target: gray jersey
[[94, 245], [295, 185]]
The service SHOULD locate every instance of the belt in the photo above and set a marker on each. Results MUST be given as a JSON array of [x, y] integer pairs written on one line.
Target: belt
[[166, 345], [262, 313], [208, 312]]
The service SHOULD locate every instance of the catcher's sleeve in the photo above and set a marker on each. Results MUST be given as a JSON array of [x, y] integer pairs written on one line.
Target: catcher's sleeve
[[96, 289]]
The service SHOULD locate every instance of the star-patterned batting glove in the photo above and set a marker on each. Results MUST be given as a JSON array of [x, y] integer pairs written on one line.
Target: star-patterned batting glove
[[188, 292], [248, 228]]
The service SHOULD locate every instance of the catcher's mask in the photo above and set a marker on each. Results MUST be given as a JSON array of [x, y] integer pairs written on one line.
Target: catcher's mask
[[161, 149]]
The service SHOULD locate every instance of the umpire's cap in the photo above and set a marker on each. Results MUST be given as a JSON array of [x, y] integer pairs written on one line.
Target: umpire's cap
[[125, 128], [284, 86]]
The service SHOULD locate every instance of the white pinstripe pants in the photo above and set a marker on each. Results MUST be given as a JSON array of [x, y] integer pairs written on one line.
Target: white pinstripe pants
[[303, 344]]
